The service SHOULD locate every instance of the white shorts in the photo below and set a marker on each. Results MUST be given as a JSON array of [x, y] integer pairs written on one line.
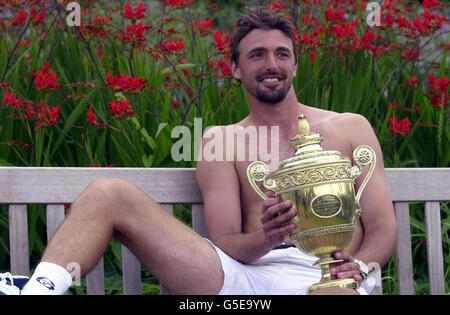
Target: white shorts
[[285, 271]]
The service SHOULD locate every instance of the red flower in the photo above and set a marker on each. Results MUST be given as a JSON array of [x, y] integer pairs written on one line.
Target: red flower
[[440, 85], [225, 69], [134, 15], [21, 18], [344, 31], [121, 109], [430, 23], [171, 47], [222, 40], [309, 40], [179, 3], [125, 83], [312, 57], [204, 26], [45, 79], [332, 15], [400, 128], [10, 100], [414, 81], [277, 5], [175, 104], [388, 20], [134, 34], [37, 17], [47, 115], [412, 54], [431, 4], [439, 96], [92, 118], [96, 27]]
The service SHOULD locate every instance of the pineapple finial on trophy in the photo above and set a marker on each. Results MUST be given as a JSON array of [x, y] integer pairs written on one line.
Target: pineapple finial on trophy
[[303, 126]]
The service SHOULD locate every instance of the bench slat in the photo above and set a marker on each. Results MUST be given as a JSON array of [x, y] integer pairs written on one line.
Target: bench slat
[[26, 185], [55, 215], [404, 253], [131, 269], [434, 247], [18, 239], [95, 279], [419, 184], [198, 220]]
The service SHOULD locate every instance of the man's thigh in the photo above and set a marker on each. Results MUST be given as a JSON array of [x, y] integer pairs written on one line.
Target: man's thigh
[[177, 256]]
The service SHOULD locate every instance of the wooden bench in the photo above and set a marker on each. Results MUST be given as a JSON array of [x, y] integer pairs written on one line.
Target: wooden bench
[[54, 187]]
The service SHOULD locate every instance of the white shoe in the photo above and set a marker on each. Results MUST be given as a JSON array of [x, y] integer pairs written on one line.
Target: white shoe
[[11, 285]]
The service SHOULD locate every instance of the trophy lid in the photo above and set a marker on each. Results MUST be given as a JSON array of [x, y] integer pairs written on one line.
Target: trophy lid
[[307, 147]]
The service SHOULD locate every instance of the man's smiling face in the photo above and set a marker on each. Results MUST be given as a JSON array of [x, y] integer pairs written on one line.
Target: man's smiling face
[[266, 65]]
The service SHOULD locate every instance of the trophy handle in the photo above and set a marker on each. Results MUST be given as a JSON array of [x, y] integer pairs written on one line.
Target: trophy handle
[[363, 155], [256, 172]]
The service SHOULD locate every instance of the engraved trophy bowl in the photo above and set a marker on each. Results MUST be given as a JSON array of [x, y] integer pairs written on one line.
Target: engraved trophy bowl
[[320, 185]]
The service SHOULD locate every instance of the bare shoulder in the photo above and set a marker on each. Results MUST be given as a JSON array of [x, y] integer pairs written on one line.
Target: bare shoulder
[[355, 126], [347, 120]]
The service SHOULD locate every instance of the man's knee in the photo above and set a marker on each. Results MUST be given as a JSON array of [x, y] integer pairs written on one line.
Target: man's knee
[[108, 185], [109, 192]]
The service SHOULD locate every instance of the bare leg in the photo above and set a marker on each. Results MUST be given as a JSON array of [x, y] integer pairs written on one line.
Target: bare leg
[[177, 256]]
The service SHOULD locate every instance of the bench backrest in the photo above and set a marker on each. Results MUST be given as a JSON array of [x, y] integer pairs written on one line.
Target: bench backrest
[[55, 187]]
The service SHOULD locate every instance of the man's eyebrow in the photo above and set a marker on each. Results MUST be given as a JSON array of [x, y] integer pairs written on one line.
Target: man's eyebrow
[[262, 48]]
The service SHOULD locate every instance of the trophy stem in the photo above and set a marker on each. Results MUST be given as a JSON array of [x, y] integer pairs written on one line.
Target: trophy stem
[[327, 281]]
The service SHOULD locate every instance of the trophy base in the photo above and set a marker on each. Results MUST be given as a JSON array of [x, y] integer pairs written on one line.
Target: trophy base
[[348, 283]]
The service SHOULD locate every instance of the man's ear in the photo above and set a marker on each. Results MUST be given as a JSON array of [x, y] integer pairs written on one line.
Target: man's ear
[[235, 71], [295, 68]]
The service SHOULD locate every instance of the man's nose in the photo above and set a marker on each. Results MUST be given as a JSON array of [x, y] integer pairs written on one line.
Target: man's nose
[[271, 62]]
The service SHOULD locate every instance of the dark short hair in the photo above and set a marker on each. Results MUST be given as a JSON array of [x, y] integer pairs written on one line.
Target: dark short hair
[[260, 18]]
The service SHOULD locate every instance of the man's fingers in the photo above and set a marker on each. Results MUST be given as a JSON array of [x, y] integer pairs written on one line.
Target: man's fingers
[[350, 274], [269, 203], [275, 209], [343, 255], [346, 270], [281, 232], [275, 222]]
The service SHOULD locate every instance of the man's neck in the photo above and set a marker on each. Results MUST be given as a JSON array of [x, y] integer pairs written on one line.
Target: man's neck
[[281, 114]]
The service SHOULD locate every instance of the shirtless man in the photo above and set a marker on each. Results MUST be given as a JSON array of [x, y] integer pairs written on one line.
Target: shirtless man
[[240, 257]]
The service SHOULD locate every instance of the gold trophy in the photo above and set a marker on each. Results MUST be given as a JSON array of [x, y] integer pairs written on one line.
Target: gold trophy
[[320, 185]]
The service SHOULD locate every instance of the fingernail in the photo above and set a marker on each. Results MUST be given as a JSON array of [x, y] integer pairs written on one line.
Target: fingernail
[[287, 203]]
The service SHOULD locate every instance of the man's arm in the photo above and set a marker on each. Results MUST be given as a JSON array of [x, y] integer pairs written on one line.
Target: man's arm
[[220, 187], [378, 219]]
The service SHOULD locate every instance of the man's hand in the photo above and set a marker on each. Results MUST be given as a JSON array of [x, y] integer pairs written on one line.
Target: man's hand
[[275, 215], [345, 269]]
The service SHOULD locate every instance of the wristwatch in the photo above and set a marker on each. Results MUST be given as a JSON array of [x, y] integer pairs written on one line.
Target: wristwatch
[[363, 268]]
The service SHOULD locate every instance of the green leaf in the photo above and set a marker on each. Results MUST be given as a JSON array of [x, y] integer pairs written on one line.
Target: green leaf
[[5, 163], [178, 67], [150, 141], [147, 160]]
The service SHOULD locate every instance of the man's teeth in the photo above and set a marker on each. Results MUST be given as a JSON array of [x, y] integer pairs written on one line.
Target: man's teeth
[[271, 80]]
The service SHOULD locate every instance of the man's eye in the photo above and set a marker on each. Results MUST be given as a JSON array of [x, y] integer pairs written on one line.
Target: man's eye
[[257, 55], [283, 55]]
